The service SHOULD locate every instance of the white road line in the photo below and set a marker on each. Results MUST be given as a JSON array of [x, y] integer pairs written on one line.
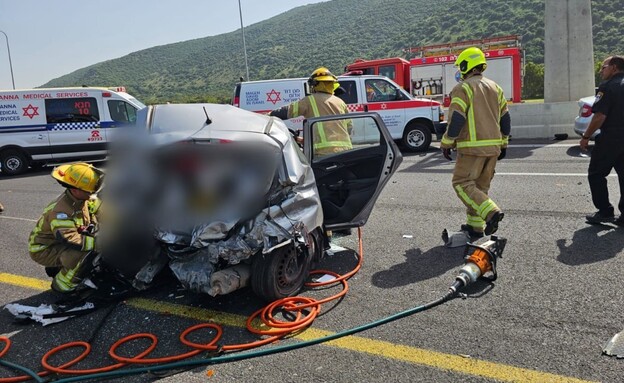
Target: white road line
[[545, 145], [542, 145], [18, 218], [549, 174]]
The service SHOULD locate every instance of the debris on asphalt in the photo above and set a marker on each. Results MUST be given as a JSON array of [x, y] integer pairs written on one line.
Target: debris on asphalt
[[44, 314], [615, 346]]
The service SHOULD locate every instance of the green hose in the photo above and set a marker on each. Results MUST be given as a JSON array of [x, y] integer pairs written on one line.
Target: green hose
[[25, 370], [251, 354]]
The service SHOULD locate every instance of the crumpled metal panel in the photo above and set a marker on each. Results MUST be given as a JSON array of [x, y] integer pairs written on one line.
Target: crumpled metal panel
[[194, 271], [145, 276], [615, 346]]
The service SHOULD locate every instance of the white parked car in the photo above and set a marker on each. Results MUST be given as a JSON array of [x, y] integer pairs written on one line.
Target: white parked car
[[581, 122]]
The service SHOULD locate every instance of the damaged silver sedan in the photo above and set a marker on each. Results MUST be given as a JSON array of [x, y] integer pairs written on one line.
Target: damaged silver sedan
[[225, 198]]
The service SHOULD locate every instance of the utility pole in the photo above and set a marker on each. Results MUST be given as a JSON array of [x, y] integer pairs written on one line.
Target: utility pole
[[240, 11], [11, 64]]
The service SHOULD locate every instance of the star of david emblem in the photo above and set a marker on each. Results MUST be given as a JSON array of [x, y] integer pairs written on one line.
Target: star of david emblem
[[273, 96], [384, 106], [30, 111]]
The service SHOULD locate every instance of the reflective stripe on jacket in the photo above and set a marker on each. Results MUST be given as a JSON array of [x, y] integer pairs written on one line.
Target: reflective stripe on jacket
[[327, 135], [60, 221], [482, 102]]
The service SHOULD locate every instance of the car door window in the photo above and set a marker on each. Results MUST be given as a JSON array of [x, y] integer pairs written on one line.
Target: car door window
[[342, 135], [378, 90], [352, 159], [350, 92], [121, 111]]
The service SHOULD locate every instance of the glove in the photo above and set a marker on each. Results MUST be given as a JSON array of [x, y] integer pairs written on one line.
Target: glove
[[87, 230], [502, 154], [446, 152]]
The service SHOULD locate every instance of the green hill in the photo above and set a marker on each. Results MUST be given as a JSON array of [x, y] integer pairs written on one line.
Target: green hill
[[332, 34]]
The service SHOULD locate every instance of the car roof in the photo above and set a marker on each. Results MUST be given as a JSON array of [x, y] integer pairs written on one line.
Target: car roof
[[169, 123]]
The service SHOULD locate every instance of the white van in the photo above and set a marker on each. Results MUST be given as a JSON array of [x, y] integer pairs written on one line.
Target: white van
[[38, 126], [412, 121]]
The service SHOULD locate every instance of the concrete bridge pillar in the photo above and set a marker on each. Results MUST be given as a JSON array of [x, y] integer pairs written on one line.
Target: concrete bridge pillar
[[568, 50]]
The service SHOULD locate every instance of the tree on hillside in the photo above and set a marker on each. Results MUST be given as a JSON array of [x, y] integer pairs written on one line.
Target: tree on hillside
[[533, 85]]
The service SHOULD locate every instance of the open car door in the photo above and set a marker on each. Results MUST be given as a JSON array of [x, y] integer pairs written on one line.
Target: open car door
[[353, 157]]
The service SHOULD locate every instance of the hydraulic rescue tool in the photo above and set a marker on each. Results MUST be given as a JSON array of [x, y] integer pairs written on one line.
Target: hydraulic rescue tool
[[480, 262]]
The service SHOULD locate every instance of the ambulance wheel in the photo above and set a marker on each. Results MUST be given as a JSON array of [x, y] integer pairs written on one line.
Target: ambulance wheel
[[13, 162], [416, 137], [280, 273]]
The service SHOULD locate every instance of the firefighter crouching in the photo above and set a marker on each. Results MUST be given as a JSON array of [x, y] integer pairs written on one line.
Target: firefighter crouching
[[479, 128], [329, 137], [59, 241]]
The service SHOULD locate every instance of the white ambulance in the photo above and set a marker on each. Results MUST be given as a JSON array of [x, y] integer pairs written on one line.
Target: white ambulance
[[38, 126], [411, 121]]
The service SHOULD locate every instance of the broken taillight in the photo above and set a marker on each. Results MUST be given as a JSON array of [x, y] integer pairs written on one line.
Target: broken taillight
[[585, 111]]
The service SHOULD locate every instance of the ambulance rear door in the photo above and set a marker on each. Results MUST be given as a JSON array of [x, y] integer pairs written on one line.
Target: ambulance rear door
[[74, 123], [23, 131], [266, 96]]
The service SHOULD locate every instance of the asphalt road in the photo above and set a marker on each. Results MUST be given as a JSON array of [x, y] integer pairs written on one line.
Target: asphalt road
[[557, 300]]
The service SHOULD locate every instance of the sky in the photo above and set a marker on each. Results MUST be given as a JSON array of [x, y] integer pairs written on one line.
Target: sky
[[50, 38]]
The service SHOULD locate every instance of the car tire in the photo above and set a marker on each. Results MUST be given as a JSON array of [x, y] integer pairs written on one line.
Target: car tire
[[13, 162], [280, 273], [416, 137]]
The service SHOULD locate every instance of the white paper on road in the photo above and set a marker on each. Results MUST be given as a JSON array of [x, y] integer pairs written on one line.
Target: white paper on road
[[325, 278], [37, 313]]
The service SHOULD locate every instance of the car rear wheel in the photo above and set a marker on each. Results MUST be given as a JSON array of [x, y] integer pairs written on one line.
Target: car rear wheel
[[280, 273], [13, 162], [416, 137]]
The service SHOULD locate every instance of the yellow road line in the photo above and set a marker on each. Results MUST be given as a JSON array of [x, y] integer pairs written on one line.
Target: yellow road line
[[407, 354], [18, 280]]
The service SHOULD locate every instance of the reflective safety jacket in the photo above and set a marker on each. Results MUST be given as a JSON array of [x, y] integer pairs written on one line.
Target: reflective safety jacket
[[61, 221], [482, 104], [329, 137]]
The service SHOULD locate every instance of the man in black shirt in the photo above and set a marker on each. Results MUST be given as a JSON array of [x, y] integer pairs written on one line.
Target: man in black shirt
[[608, 153]]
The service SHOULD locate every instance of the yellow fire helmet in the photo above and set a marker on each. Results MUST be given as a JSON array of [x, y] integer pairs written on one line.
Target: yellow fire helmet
[[321, 74], [81, 175], [470, 58]]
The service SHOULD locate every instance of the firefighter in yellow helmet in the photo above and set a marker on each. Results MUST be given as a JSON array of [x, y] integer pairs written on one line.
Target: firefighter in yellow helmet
[[60, 239], [478, 128], [329, 137]]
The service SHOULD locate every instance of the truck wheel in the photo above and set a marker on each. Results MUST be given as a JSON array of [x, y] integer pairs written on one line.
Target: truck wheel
[[416, 137], [13, 162], [280, 273]]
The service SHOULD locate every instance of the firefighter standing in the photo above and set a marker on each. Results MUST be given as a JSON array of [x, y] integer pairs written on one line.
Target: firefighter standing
[[479, 128], [58, 241], [329, 137], [608, 153]]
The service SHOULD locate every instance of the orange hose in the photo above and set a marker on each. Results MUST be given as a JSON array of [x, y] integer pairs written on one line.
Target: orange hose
[[7, 345], [277, 329]]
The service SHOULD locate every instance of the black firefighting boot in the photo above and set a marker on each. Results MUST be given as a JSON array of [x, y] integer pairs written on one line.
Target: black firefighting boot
[[472, 233], [491, 225]]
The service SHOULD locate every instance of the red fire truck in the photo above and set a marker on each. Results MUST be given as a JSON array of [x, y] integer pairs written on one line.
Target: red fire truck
[[431, 71]]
